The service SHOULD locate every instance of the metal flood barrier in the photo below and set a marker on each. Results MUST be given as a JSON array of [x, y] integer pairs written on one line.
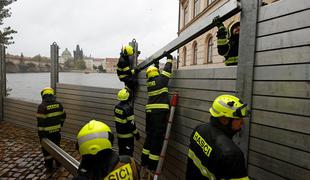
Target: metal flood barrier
[[226, 11]]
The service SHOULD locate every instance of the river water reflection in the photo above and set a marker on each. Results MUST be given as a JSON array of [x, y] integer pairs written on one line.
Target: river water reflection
[[27, 86]]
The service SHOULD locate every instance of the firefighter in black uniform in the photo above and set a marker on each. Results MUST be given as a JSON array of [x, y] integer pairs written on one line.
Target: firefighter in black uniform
[[157, 110], [228, 43], [125, 124], [212, 154], [51, 117], [99, 161], [124, 70]]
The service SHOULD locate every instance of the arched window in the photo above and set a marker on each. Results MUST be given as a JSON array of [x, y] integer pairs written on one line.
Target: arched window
[[195, 53], [196, 7], [208, 50], [184, 56]]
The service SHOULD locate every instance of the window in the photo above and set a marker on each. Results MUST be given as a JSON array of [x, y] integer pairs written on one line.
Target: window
[[195, 53], [196, 7], [209, 47], [184, 56], [210, 1], [186, 15]]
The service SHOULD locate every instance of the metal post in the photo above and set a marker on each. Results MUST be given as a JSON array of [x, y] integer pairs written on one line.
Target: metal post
[[245, 69], [54, 65], [134, 44], [2, 80]]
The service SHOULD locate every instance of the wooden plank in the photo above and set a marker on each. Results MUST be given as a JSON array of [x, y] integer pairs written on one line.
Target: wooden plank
[[193, 114], [89, 104], [280, 136], [285, 23], [21, 111], [284, 153], [187, 122], [88, 109], [283, 121], [220, 85], [284, 40], [258, 173], [89, 115], [282, 88], [283, 56], [281, 168], [203, 94], [298, 72], [285, 105], [87, 88], [194, 104], [20, 123], [180, 147], [73, 94], [20, 102], [282, 8], [227, 72]]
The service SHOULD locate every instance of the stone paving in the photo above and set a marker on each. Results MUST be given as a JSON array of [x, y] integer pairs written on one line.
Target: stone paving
[[21, 156]]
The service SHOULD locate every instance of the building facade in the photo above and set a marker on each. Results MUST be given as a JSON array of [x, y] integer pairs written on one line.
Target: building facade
[[111, 65], [202, 51]]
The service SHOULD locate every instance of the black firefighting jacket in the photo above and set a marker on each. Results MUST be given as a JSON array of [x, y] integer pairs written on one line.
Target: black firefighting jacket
[[124, 120], [124, 72], [213, 155], [50, 116], [157, 88], [107, 165], [228, 46]]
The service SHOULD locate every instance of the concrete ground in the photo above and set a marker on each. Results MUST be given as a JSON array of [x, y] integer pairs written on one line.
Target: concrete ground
[[21, 156]]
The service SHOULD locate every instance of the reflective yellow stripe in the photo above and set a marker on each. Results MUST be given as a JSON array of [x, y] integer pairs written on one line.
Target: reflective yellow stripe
[[49, 128], [203, 170], [135, 131], [157, 92], [153, 157], [168, 74], [122, 76], [125, 135], [123, 121], [130, 118], [124, 172], [169, 60], [50, 114], [221, 42], [157, 106], [232, 60], [123, 69], [145, 151]]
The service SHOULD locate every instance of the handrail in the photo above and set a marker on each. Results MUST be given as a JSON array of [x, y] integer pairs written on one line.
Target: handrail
[[226, 11], [61, 156]]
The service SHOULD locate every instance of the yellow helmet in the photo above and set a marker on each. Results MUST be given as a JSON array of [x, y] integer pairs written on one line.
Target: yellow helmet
[[152, 72], [94, 137], [47, 90], [128, 50], [123, 95], [231, 27], [228, 106]]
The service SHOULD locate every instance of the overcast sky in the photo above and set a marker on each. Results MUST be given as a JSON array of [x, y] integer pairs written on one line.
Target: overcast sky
[[100, 27]]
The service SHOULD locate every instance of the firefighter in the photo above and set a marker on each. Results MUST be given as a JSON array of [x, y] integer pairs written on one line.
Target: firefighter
[[212, 154], [157, 110], [50, 118], [125, 124], [124, 71], [228, 43], [99, 161]]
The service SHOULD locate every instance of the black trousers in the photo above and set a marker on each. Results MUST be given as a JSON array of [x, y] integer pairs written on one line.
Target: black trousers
[[126, 146], [48, 159], [156, 123]]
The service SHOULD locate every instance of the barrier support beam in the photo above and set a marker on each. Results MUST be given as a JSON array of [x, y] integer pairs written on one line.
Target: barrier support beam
[[2, 80], [61, 156]]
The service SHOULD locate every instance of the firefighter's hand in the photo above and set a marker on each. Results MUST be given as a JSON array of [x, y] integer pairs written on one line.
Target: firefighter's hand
[[217, 21], [168, 56], [137, 136], [137, 70], [156, 63]]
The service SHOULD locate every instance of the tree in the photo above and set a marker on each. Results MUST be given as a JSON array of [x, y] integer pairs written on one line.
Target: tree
[[80, 64], [6, 32]]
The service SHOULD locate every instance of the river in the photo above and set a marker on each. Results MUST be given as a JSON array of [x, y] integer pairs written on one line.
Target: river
[[27, 86]]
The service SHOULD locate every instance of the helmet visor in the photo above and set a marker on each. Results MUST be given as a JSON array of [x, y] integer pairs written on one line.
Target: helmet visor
[[241, 111]]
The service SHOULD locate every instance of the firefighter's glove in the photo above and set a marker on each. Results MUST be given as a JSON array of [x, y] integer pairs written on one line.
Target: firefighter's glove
[[137, 136], [168, 56], [217, 22], [137, 70], [156, 63]]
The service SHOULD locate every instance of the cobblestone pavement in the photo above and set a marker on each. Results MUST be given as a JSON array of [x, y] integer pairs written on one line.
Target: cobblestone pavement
[[21, 156]]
